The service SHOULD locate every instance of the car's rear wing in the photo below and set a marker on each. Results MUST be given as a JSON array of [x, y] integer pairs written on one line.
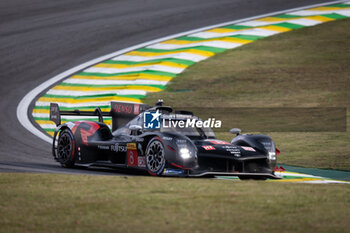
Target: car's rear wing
[[121, 113]]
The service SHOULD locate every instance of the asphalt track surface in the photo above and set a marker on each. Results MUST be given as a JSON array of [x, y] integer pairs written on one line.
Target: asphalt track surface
[[42, 38]]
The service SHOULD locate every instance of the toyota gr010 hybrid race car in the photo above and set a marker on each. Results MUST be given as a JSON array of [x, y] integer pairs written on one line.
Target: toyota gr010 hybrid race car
[[162, 151]]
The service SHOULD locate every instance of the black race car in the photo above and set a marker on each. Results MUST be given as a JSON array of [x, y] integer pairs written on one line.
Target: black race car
[[161, 151]]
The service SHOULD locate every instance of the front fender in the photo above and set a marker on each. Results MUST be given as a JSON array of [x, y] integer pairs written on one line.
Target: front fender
[[172, 143], [261, 143]]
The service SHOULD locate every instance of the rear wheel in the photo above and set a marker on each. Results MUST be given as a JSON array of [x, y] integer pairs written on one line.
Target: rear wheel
[[66, 148], [155, 157]]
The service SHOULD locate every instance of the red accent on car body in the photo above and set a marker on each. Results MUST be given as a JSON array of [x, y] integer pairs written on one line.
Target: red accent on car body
[[278, 152], [181, 167], [279, 169], [87, 133], [73, 148], [170, 148], [76, 124], [178, 166]]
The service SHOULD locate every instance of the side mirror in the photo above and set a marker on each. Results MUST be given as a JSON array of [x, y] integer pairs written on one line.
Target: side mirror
[[135, 129], [235, 131]]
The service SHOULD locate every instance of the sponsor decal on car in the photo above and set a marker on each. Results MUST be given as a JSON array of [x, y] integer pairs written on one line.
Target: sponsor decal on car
[[101, 147], [131, 146], [229, 147], [248, 148], [132, 154], [141, 161], [167, 138], [136, 109], [132, 158], [233, 150], [118, 148], [173, 172], [208, 147], [123, 108], [180, 141]]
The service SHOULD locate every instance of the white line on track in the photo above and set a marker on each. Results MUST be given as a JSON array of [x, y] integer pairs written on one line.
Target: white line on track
[[254, 32], [115, 82], [23, 106], [181, 55]]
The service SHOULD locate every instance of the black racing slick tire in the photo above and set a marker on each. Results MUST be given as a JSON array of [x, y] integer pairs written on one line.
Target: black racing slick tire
[[66, 148], [155, 157]]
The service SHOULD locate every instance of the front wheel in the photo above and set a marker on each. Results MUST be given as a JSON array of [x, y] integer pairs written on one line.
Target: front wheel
[[66, 148], [155, 157]]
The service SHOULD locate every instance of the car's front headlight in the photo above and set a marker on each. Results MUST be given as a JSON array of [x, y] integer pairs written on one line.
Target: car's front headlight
[[270, 147], [272, 155], [185, 153]]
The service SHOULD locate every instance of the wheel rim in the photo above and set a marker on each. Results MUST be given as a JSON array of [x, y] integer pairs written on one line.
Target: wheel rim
[[64, 147], [155, 156]]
